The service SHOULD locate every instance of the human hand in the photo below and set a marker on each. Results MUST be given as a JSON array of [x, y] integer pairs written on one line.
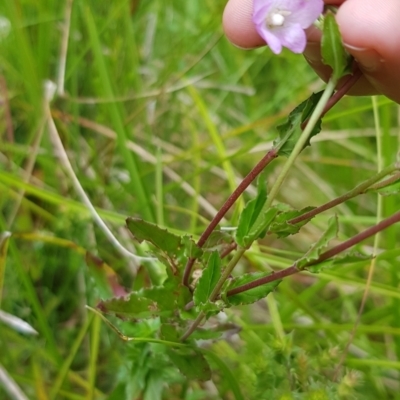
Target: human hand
[[370, 31]]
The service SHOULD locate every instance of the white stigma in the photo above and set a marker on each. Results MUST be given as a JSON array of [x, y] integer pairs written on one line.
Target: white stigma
[[276, 19]]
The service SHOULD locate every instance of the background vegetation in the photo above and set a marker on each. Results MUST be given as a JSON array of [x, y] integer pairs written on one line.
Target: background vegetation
[[161, 117]]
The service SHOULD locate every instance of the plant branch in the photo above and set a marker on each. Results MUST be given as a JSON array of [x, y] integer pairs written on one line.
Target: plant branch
[[194, 326], [360, 189], [214, 294], [380, 185], [271, 155], [301, 142], [395, 218]]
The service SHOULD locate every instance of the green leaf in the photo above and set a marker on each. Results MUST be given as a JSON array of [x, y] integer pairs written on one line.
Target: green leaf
[[332, 49], [191, 250], [290, 131], [252, 295], [281, 226], [316, 249], [254, 220], [218, 239], [161, 238], [133, 306], [206, 334], [340, 259], [162, 297], [169, 333], [209, 278], [192, 364]]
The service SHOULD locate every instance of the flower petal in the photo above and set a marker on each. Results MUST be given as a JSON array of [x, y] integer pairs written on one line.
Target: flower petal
[[293, 37], [304, 12], [296, 15]]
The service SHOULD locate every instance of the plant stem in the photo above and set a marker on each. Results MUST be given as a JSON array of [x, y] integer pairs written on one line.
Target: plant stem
[[386, 182], [271, 155], [360, 189], [227, 271], [395, 218], [193, 327], [330, 87], [349, 83], [214, 294]]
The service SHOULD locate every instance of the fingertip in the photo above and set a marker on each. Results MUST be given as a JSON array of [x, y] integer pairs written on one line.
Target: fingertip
[[238, 24]]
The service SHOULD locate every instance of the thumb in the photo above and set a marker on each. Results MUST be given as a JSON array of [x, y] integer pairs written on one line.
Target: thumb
[[372, 36], [371, 33]]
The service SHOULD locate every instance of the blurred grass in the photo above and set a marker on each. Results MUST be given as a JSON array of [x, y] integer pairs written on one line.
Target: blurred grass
[[161, 76]]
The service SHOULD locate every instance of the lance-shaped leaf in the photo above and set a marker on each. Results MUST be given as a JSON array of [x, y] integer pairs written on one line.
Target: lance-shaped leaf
[[209, 278], [317, 248], [191, 363], [332, 49], [255, 219], [290, 131], [249, 296], [281, 226]]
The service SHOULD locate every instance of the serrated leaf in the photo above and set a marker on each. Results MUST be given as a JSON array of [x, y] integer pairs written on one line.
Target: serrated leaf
[[211, 308], [191, 364], [342, 259], [133, 306], [209, 278], [281, 226], [161, 238], [252, 295], [316, 249], [332, 49], [160, 296], [290, 131]]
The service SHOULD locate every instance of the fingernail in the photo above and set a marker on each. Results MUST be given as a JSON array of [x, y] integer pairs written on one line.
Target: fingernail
[[368, 59], [313, 53]]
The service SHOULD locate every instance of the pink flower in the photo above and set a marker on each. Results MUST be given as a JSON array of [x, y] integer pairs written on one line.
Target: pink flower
[[282, 22]]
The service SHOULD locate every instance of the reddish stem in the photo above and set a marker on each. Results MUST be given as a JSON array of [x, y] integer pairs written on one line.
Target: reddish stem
[[348, 84], [323, 257], [271, 155]]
